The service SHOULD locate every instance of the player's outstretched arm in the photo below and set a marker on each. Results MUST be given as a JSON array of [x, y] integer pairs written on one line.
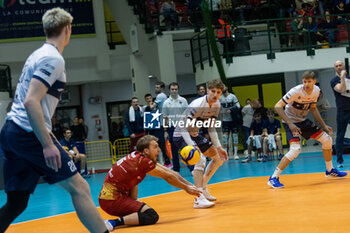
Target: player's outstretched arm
[[174, 179], [341, 87]]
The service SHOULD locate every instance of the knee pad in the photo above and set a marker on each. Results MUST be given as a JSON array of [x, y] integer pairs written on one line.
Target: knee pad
[[148, 217], [326, 141], [225, 139], [235, 138], [200, 165], [293, 152]]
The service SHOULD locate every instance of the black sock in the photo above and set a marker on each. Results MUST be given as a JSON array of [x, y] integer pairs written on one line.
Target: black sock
[[119, 222]]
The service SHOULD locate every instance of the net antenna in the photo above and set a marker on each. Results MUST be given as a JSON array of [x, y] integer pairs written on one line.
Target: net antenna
[[5, 79]]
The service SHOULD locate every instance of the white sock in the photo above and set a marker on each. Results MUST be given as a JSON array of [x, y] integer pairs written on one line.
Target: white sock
[[277, 173], [236, 149], [329, 165]]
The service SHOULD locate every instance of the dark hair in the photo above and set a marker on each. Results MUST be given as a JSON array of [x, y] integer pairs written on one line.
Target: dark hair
[[256, 114], [216, 83], [65, 130], [270, 110], [201, 85], [144, 142], [161, 84], [148, 94], [134, 98], [174, 84]]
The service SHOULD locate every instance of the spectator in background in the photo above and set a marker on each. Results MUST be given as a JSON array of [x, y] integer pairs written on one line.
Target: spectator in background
[[230, 107], [161, 96], [340, 9], [201, 90], [70, 146], [158, 133], [256, 138], [298, 26], [214, 7], [224, 34], [56, 128], [259, 107], [328, 28], [247, 114], [86, 128], [168, 10], [134, 122], [195, 13], [272, 132], [173, 109], [78, 131]]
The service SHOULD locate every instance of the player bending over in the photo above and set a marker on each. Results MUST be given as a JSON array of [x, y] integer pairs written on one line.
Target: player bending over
[[202, 109], [118, 196]]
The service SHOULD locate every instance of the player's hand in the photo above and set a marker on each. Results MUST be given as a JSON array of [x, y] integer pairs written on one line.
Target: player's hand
[[222, 153], [132, 135], [228, 111], [329, 130], [343, 73], [295, 130], [52, 157], [193, 190]]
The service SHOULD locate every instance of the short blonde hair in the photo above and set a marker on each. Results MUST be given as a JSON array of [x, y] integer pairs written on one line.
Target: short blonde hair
[[54, 20], [216, 83], [309, 75]]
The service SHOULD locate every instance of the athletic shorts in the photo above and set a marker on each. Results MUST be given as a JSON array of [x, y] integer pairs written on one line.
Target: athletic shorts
[[122, 206], [200, 141], [228, 126], [24, 161], [308, 130]]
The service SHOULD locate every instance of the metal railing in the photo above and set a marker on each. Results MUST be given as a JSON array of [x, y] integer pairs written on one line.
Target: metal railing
[[273, 35]]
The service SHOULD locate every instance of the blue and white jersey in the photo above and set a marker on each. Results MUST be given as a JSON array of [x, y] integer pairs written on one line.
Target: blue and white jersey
[[299, 102], [198, 110], [227, 103], [47, 65]]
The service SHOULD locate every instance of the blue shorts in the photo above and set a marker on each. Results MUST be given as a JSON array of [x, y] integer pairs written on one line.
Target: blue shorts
[[200, 141], [308, 130], [228, 126], [24, 161]]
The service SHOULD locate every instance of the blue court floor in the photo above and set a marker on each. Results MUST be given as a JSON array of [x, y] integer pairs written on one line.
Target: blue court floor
[[50, 200]]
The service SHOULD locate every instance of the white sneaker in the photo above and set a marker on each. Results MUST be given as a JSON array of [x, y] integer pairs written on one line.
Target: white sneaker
[[109, 225], [245, 152], [208, 196], [201, 203], [236, 157]]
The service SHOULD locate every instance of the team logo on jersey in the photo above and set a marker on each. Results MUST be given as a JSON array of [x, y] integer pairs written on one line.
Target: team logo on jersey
[[151, 120]]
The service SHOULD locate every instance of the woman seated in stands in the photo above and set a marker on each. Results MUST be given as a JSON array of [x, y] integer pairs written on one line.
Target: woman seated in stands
[[328, 28]]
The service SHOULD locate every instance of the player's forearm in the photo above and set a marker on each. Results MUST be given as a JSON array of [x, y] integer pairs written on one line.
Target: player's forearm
[[214, 137], [177, 181], [281, 113], [36, 119], [186, 136], [318, 118], [342, 87]]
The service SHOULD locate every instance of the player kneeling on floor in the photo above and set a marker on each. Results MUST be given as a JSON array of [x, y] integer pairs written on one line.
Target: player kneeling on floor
[[118, 196]]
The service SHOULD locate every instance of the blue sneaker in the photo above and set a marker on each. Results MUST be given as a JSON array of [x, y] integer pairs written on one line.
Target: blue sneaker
[[275, 183], [264, 158], [280, 156], [110, 224], [335, 173]]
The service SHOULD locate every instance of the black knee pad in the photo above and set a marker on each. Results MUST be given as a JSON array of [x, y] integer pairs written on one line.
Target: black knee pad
[[148, 217]]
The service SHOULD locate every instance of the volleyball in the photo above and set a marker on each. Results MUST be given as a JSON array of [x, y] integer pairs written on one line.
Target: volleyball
[[190, 155]]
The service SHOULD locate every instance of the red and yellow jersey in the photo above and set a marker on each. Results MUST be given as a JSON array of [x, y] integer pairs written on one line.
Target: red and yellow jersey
[[126, 174]]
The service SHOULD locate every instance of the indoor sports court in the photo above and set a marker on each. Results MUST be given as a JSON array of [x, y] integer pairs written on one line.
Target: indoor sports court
[[245, 203]]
